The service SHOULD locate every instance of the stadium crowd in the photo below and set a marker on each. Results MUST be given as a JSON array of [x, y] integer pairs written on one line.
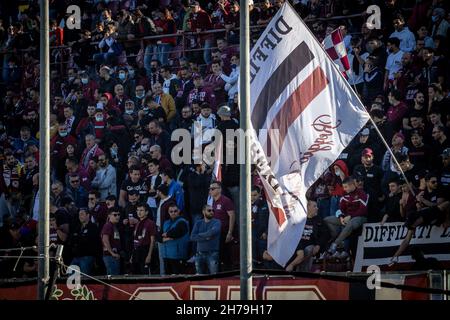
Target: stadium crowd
[[138, 70]]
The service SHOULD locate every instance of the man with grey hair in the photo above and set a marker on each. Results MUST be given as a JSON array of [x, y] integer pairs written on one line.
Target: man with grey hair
[[155, 153]]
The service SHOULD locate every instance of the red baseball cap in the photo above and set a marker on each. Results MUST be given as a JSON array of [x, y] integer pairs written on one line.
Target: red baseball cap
[[367, 152]]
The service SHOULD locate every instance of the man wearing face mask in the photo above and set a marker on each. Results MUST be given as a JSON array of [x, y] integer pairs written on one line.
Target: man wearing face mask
[[128, 83], [58, 147], [155, 75], [440, 25], [86, 124], [130, 115], [145, 147], [138, 97], [99, 123]]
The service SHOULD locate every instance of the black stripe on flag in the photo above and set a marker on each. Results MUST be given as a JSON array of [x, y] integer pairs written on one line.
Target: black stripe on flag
[[279, 80], [387, 252]]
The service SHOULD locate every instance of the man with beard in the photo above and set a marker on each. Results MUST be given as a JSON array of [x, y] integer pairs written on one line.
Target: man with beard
[[200, 93], [32, 121], [405, 79], [433, 70], [393, 62], [371, 175], [97, 210], [86, 124], [417, 109], [105, 178], [420, 154], [376, 49], [186, 84], [21, 144], [30, 168]]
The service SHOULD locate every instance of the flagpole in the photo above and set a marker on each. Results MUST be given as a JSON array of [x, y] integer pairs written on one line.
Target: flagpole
[[351, 88], [244, 183], [377, 130], [44, 154]]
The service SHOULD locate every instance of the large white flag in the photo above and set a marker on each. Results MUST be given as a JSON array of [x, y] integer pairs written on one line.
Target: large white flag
[[305, 113]]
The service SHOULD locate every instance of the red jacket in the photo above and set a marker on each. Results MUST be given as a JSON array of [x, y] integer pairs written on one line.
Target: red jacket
[[354, 204], [338, 190]]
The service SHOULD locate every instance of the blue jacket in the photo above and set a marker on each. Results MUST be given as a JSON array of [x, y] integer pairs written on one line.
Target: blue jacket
[[207, 235], [178, 247], [176, 191]]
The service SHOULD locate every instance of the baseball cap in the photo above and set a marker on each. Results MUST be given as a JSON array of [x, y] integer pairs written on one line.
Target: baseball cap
[[365, 132], [446, 153], [367, 152], [194, 3], [224, 111]]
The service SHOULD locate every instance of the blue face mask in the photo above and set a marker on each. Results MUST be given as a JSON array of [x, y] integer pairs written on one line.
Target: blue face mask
[[233, 66], [84, 80], [122, 76], [434, 18], [131, 73]]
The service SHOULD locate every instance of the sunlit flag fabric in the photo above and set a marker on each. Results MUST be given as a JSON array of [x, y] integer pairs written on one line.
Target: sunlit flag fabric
[[305, 114], [335, 47]]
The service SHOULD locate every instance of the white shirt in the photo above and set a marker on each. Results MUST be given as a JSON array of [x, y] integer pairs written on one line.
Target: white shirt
[[166, 84], [394, 63]]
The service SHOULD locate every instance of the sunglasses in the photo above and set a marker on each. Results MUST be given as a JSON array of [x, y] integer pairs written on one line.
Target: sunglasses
[[74, 181], [115, 214], [209, 210]]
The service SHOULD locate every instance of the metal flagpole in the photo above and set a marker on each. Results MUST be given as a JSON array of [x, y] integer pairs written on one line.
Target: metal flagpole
[[44, 153], [244, 184]]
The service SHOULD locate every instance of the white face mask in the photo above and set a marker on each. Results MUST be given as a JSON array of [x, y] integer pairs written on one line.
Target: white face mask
[[144, 148], [129, 111], [84, 80], [99, 118]]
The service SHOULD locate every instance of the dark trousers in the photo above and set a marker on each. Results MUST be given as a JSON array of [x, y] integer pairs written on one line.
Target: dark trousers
[[174, 266], [138, 265]]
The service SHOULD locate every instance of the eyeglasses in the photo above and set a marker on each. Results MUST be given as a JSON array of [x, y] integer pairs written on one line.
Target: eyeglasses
[[115, 214]]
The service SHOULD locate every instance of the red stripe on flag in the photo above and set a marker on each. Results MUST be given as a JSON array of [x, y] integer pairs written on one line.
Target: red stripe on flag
[[336, 36], [278, 213], [297, 102], [345, 63], [332, 53]]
